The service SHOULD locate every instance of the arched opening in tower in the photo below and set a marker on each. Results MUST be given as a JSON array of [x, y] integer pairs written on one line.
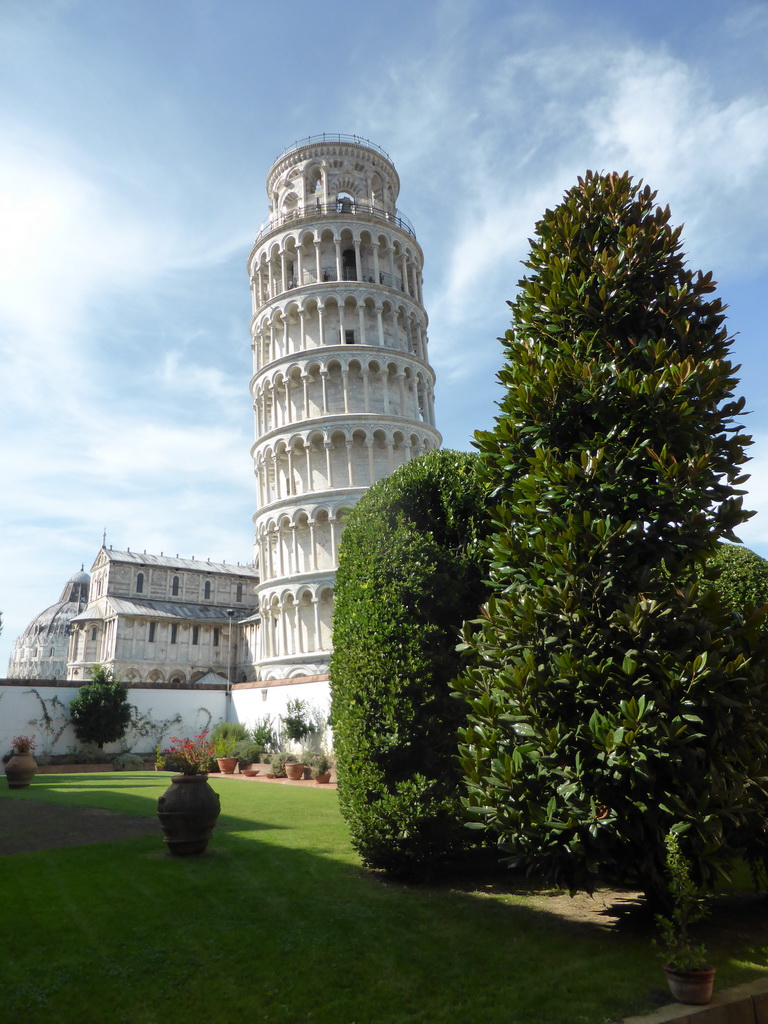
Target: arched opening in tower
[[345, 202], [348, 265]]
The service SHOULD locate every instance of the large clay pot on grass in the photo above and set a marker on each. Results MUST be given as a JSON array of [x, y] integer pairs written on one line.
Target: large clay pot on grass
[[294, 771], [227, 765], [20, 770], [188, 810]]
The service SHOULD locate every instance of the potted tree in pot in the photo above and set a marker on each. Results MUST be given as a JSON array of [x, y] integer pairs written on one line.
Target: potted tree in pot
[[297, 725], [224, 752], [20, 765], [321, 768], [689, 976], [189, 807], [263, 735], [225, 737]]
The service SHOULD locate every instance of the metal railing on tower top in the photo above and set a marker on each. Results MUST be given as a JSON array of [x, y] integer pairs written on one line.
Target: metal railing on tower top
[[338, 207], [327, 137]]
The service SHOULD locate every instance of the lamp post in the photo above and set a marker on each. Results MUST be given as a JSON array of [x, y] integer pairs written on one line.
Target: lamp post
[[230, 616]]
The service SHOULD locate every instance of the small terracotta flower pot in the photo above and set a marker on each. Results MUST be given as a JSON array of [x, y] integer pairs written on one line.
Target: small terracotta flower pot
[[693, 988]]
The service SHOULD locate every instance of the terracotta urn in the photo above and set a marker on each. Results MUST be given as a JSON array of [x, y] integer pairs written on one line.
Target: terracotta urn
[[20, 770], [188, 810], [227, 765], [691, 987], [294, 771]]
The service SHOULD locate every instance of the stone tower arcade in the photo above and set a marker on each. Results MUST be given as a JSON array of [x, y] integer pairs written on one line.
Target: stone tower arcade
[[342, 387]]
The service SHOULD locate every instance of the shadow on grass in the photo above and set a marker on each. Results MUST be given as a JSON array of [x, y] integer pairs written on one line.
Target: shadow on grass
[[283, 935], [281, 925], [133, 794]]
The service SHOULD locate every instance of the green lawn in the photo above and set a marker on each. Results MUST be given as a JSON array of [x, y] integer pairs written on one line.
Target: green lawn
[[278, 924]]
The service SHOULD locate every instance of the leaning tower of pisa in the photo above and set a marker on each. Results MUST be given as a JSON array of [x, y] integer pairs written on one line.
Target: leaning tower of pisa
[[342, 387]]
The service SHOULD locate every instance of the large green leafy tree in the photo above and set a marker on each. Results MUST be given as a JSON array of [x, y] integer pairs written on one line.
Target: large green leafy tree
[[609, 696], [411, 567], [100, 713]]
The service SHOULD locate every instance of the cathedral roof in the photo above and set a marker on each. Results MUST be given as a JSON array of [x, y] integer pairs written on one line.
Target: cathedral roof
[[106, 607], [167, 562]]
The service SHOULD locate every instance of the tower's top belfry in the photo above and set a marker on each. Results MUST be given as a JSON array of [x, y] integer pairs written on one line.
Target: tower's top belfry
[[328, 174], [342, 389]]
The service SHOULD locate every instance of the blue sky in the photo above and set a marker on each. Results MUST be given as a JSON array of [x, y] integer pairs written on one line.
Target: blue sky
[[136, 138]]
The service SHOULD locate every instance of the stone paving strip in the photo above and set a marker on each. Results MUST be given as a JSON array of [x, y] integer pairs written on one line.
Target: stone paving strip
[[745, 1004]]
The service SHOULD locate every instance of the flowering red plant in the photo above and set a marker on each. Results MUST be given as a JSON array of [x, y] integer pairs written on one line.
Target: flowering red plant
[[190, 756], [23, 744]]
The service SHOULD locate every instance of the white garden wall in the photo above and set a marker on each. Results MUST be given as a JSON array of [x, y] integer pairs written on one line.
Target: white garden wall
[[252, 702], [40, 708]]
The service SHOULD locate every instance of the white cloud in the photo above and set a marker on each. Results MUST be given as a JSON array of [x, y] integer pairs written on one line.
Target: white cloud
[[707, 156], [121, 329], [150, 453], [71, 244], [494, 142], [192, 380], [64, 239]]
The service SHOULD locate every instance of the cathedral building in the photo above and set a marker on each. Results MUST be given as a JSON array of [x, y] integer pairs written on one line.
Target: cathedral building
[[162, 620], [342, 393], [149, 619]]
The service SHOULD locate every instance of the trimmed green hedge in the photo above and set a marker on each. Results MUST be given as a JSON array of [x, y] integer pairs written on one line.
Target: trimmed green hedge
[[411, 564], [741, 580]]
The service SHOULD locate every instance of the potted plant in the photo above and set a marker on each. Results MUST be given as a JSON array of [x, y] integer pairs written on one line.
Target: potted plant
[[297, 723], [689, 976], [189, 807], [263, 734], [20, 765], [294, 769], [283, 763], [224, 752], [321, 768], [247, 753]]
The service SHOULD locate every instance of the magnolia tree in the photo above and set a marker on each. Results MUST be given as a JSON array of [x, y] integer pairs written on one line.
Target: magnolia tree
[[610, 694]]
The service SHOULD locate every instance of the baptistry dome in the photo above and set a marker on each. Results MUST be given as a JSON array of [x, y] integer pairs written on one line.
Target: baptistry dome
[[41, 651]]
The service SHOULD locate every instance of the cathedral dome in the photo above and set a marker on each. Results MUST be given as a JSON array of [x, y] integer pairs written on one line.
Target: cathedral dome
[[80, 577], [41, 650], [54, 621]]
